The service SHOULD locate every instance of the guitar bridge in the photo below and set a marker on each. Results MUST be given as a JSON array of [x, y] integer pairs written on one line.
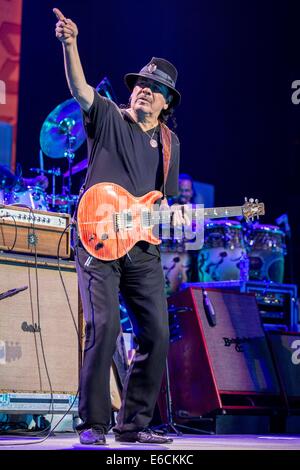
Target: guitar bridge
[[116, 221], [123, 220]]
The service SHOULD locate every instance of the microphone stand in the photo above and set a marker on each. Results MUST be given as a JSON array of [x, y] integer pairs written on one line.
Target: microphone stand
[[11, 292], [171, 425]]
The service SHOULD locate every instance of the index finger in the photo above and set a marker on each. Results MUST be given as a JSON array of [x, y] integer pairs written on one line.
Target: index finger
[[59, 15]]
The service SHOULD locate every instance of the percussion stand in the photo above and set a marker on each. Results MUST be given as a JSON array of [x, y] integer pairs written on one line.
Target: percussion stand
[[70, 156], [54, 172]]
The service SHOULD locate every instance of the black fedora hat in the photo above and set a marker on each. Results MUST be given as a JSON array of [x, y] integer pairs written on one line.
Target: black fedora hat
[[159, 70]]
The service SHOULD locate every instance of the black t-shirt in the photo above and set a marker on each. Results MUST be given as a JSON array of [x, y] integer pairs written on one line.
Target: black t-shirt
[[120, 151]]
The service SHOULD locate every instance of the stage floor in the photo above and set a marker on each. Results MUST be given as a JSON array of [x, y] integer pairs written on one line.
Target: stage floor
[[188, 442]]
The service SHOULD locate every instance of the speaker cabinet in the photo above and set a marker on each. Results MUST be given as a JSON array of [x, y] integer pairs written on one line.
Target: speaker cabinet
[[286, 350], [223, 367], [24, 326]]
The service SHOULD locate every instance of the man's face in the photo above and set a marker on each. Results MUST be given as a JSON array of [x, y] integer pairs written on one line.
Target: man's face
[[149, 97], [185, 191]]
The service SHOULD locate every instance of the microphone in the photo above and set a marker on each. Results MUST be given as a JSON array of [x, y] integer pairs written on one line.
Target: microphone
[[11, 292], [209, 309]]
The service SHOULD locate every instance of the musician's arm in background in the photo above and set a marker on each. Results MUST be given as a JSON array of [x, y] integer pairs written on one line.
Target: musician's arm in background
[[66, 31]]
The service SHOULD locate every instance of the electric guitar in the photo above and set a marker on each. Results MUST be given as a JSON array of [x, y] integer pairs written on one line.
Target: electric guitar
[[111, 221]]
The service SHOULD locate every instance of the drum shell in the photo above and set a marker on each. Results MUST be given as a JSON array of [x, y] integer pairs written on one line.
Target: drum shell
[[60, 203], [267, 248], [33, 196], [177, 265], [223, 256]]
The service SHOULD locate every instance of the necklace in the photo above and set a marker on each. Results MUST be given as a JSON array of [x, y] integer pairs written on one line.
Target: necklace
[[153, 142]]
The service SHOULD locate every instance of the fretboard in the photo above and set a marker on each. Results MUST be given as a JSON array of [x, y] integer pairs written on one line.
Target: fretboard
[[203, 212], [217, 212]]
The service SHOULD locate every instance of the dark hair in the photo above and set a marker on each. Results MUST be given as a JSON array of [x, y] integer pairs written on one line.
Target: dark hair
[[166, 114], [185, 176]]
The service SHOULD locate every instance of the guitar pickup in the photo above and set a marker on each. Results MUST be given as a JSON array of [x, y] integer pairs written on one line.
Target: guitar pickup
[[127, 220], [146, 219]]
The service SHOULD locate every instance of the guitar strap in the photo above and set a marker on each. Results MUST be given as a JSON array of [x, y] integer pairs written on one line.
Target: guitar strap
[[166, 149]]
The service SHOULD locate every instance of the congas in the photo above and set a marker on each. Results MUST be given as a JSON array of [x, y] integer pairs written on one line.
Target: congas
[[223, 253], [176, 263], [32, 196], [267, 248]]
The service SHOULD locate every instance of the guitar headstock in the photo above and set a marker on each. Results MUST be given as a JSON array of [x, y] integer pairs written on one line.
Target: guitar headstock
[[252, 209]]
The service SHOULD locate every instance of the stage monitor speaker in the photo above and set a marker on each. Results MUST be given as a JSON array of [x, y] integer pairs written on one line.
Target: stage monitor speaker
[[286, 350], [219, 357], [22, 367]]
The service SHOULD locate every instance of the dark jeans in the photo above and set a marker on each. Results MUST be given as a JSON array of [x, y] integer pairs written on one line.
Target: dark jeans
[[141, 282]]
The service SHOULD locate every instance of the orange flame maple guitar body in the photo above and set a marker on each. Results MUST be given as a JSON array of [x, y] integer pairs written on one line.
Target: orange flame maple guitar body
[[111, 221]]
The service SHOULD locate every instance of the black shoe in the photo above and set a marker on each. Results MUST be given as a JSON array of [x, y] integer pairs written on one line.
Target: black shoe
[[92, 436], [147, 436]]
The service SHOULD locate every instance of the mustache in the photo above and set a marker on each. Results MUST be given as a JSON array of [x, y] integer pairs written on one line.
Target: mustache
[[144, 97]]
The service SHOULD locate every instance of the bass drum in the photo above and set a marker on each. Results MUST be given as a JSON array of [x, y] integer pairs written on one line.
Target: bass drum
[[223, 255], [267, 248], [33, 196], [177, 265]]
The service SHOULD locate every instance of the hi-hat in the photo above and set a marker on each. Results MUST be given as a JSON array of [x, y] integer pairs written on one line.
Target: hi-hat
[[62, 130]]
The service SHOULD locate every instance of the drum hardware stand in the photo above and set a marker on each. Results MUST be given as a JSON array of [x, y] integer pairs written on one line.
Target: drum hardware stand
[[54, 172], [66, 125]]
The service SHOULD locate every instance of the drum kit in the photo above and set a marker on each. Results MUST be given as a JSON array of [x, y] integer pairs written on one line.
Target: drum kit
[[62, 133], [231, 252]]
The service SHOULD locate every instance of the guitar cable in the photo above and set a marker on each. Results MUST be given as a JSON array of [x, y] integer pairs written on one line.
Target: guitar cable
[[51, 407]]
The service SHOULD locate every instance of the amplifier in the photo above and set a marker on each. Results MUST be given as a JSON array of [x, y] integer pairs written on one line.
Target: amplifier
[[35, 322], [277, 303], [38, 403], [24, 230]]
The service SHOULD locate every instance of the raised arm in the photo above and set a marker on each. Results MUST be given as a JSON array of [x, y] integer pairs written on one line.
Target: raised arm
[[66, 31]]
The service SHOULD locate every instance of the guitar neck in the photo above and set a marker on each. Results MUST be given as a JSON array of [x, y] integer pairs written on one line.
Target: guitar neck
[[218, 212], [207, 213]]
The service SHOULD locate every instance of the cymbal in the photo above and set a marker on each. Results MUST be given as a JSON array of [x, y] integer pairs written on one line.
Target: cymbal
[[80, 166], [62, 130]]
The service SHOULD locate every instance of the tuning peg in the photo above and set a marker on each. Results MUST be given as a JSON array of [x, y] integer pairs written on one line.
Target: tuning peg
[[246, 199], [256, 201], [251, 200]]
